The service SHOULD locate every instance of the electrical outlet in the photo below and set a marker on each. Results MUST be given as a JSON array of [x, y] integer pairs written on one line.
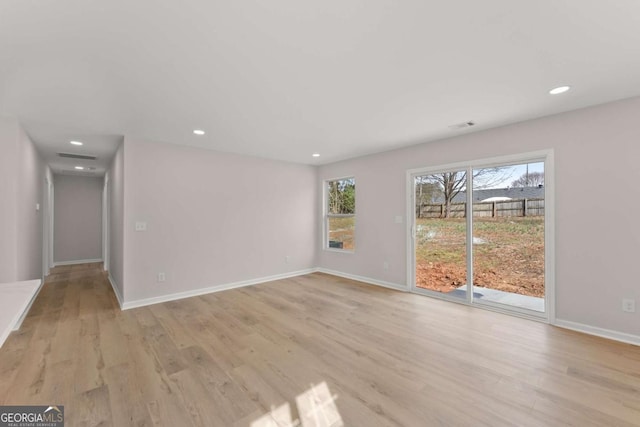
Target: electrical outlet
[[141, 226], [385, 266], [287, 259], [629, 305], [162, 277]]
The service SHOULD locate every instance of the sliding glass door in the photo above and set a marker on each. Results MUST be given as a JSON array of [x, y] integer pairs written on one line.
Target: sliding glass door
[[440, 234], [478, 234], [508, 235]]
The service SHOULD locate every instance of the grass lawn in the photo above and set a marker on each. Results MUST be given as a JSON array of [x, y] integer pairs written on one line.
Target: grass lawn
[[508, 254], [342, 229]]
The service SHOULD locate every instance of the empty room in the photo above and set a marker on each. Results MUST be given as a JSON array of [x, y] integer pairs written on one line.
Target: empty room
[[337, 213]]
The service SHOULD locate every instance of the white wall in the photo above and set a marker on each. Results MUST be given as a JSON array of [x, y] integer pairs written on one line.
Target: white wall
[[31, 179], [213, 218], [597, 234], [47, 229], [115, 177], [8, 195], [22, 174], [77, 218]]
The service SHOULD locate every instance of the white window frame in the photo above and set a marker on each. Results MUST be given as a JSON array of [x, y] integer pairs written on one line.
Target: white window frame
[[326, 215], [546, 156]]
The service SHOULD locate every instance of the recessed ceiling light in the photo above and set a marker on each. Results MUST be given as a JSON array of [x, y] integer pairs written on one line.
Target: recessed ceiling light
[[558, 90], [198, 132], [316, 154], [76, 142], [80, 168]]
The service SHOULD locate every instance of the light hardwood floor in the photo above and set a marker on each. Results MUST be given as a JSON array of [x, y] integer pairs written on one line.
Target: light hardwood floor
[[312, 350]]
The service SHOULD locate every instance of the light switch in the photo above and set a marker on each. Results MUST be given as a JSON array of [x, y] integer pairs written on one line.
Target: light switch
[[398, 219], [141, 226], [37, 206]]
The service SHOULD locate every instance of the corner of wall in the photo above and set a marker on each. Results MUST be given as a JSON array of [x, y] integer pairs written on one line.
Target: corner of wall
[[116, 257], [29, 206]]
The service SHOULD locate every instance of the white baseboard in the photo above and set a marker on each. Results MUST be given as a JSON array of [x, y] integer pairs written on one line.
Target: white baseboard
[[368, 280], [599, 332], [579, 327], [78, 261], [203, 291], [116, 291], [126, 305]]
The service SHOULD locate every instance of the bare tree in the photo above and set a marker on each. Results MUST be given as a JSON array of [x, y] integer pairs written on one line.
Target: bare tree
[[531, 179], [342, 196], [452, 183]]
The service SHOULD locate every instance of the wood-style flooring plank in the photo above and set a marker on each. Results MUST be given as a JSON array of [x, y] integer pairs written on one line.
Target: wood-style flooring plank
[[310, 350]]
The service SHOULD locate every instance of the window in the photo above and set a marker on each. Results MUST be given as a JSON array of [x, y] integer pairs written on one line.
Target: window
[[340, 219]]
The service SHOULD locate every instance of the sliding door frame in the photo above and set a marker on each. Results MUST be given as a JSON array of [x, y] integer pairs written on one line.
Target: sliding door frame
[[545, 156]]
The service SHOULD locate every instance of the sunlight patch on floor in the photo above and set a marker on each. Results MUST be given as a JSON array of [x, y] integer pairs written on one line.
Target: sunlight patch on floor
[[316, 408]]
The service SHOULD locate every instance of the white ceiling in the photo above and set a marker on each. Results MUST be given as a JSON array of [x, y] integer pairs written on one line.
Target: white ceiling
[[54, 139], [286, 78]]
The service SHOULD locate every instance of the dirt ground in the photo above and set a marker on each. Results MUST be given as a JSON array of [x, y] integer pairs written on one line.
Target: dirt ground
[[508, 255], [343, 230]]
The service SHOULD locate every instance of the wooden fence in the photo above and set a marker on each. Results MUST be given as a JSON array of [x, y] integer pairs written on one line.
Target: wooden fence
[[519, 207]]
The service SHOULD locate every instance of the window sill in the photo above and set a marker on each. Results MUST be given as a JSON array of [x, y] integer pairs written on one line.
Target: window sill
[[341, 251]]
